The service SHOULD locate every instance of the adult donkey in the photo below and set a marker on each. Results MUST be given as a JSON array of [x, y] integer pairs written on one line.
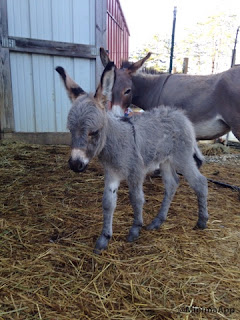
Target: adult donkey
[[211, 102]]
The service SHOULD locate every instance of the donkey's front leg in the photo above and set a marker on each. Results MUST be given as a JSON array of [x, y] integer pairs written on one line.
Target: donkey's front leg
[[136, 196], [109, 204]]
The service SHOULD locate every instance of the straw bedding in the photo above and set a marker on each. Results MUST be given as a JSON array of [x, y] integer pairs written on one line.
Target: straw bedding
[[50, 218], [214, 149]]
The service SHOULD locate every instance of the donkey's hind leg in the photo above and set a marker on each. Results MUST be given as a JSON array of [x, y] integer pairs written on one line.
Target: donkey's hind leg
[[199, 184], [170, 180]]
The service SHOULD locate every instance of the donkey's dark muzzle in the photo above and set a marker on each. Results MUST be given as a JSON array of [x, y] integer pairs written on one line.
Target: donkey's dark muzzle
[[77, 165]]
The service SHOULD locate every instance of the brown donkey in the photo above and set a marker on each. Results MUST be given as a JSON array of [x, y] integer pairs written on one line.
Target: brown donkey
[[211, 102]]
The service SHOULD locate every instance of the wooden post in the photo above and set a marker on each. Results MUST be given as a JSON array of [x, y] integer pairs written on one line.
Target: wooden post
[[6, 101], [185, 65]]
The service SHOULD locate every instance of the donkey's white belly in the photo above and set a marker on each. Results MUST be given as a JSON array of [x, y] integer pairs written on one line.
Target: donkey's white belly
[[211, 128]]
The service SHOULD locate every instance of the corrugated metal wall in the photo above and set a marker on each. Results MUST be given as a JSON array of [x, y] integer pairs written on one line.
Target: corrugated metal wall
[[118, 33], [40, 103], [40, 100], [58, 20]]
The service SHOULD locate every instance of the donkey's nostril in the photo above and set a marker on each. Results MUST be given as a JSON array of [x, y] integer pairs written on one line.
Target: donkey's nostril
[[76, 165], [80, 166], [70, 163]]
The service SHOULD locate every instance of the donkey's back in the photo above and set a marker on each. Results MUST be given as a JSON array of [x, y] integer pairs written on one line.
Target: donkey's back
[[165, 134]]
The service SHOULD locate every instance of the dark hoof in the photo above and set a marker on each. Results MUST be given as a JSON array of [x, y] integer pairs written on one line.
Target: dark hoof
[[134, 233], [97, 251], [102, 243], [151, 226], [132, 237], [201, 225], [154, 225], [156, 173]]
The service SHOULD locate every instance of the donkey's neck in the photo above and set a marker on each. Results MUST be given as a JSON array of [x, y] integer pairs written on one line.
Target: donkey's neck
[[147, 90], [118, 137]]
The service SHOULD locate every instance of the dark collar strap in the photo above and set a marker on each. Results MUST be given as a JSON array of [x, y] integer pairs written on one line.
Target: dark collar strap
[[164, 83], [128, 119]]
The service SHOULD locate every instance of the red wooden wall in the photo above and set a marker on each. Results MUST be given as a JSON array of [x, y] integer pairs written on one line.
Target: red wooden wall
[[117, 33]]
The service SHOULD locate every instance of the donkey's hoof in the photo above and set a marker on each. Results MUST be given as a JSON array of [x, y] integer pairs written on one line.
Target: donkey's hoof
[[131, 237], [97, 251], [154, 225], [134, 233], [101, 244], [157, 173], [200, 225]]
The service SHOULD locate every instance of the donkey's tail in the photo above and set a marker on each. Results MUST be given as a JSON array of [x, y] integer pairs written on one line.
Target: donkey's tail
[[198, 156]]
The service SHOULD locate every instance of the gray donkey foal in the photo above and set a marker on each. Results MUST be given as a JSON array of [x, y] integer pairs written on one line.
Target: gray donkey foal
[[163, 138]]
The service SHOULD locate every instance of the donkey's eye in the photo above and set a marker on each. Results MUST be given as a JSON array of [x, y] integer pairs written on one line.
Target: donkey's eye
[[127, 91], [93, 133]]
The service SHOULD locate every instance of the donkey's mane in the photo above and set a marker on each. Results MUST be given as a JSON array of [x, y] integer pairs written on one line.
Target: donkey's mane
[[126, 64]]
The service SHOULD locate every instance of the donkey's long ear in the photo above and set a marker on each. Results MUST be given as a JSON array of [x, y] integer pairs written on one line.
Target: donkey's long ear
[[135, 66], [107, 80], [104, 89], [73, 89], [104, 57]]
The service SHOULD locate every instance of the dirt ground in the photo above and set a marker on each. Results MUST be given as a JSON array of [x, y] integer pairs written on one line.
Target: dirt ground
[[50, 218]]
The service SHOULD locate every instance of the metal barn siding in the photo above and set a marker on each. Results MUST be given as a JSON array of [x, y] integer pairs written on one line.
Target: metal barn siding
[[58, 20], [117, 33], [40, 103], [42, 106]]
